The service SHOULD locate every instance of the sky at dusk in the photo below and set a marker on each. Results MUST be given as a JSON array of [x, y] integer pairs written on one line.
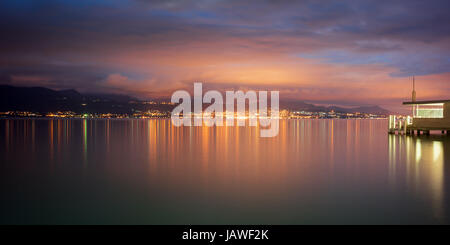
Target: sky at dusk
[[327, 52]]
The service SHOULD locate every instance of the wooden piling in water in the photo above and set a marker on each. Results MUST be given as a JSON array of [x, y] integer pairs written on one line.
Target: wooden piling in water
[[404, 126]]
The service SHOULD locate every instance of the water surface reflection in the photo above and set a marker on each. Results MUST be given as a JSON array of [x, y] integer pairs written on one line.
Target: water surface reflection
[[150, 172], [418, 164]]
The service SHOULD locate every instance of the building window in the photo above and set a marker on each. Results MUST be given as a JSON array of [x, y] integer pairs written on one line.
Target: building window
[[428, 111]]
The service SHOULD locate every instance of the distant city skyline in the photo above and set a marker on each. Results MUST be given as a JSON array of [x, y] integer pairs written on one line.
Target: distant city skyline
[[333, 52], [41, 101]]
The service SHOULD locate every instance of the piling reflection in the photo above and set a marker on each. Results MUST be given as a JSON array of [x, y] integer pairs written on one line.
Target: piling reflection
[[420, 162]]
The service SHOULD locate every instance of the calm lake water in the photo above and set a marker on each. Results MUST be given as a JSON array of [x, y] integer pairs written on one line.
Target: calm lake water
[[150, 172]]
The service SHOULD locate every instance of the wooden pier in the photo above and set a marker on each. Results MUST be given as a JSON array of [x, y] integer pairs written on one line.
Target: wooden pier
[[426, 116], [403, 125]]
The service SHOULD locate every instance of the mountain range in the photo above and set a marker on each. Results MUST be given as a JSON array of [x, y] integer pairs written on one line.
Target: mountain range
[[304, 106], [43, 100]]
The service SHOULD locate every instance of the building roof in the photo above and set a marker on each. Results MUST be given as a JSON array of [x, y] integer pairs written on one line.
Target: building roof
[[425, 102]]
